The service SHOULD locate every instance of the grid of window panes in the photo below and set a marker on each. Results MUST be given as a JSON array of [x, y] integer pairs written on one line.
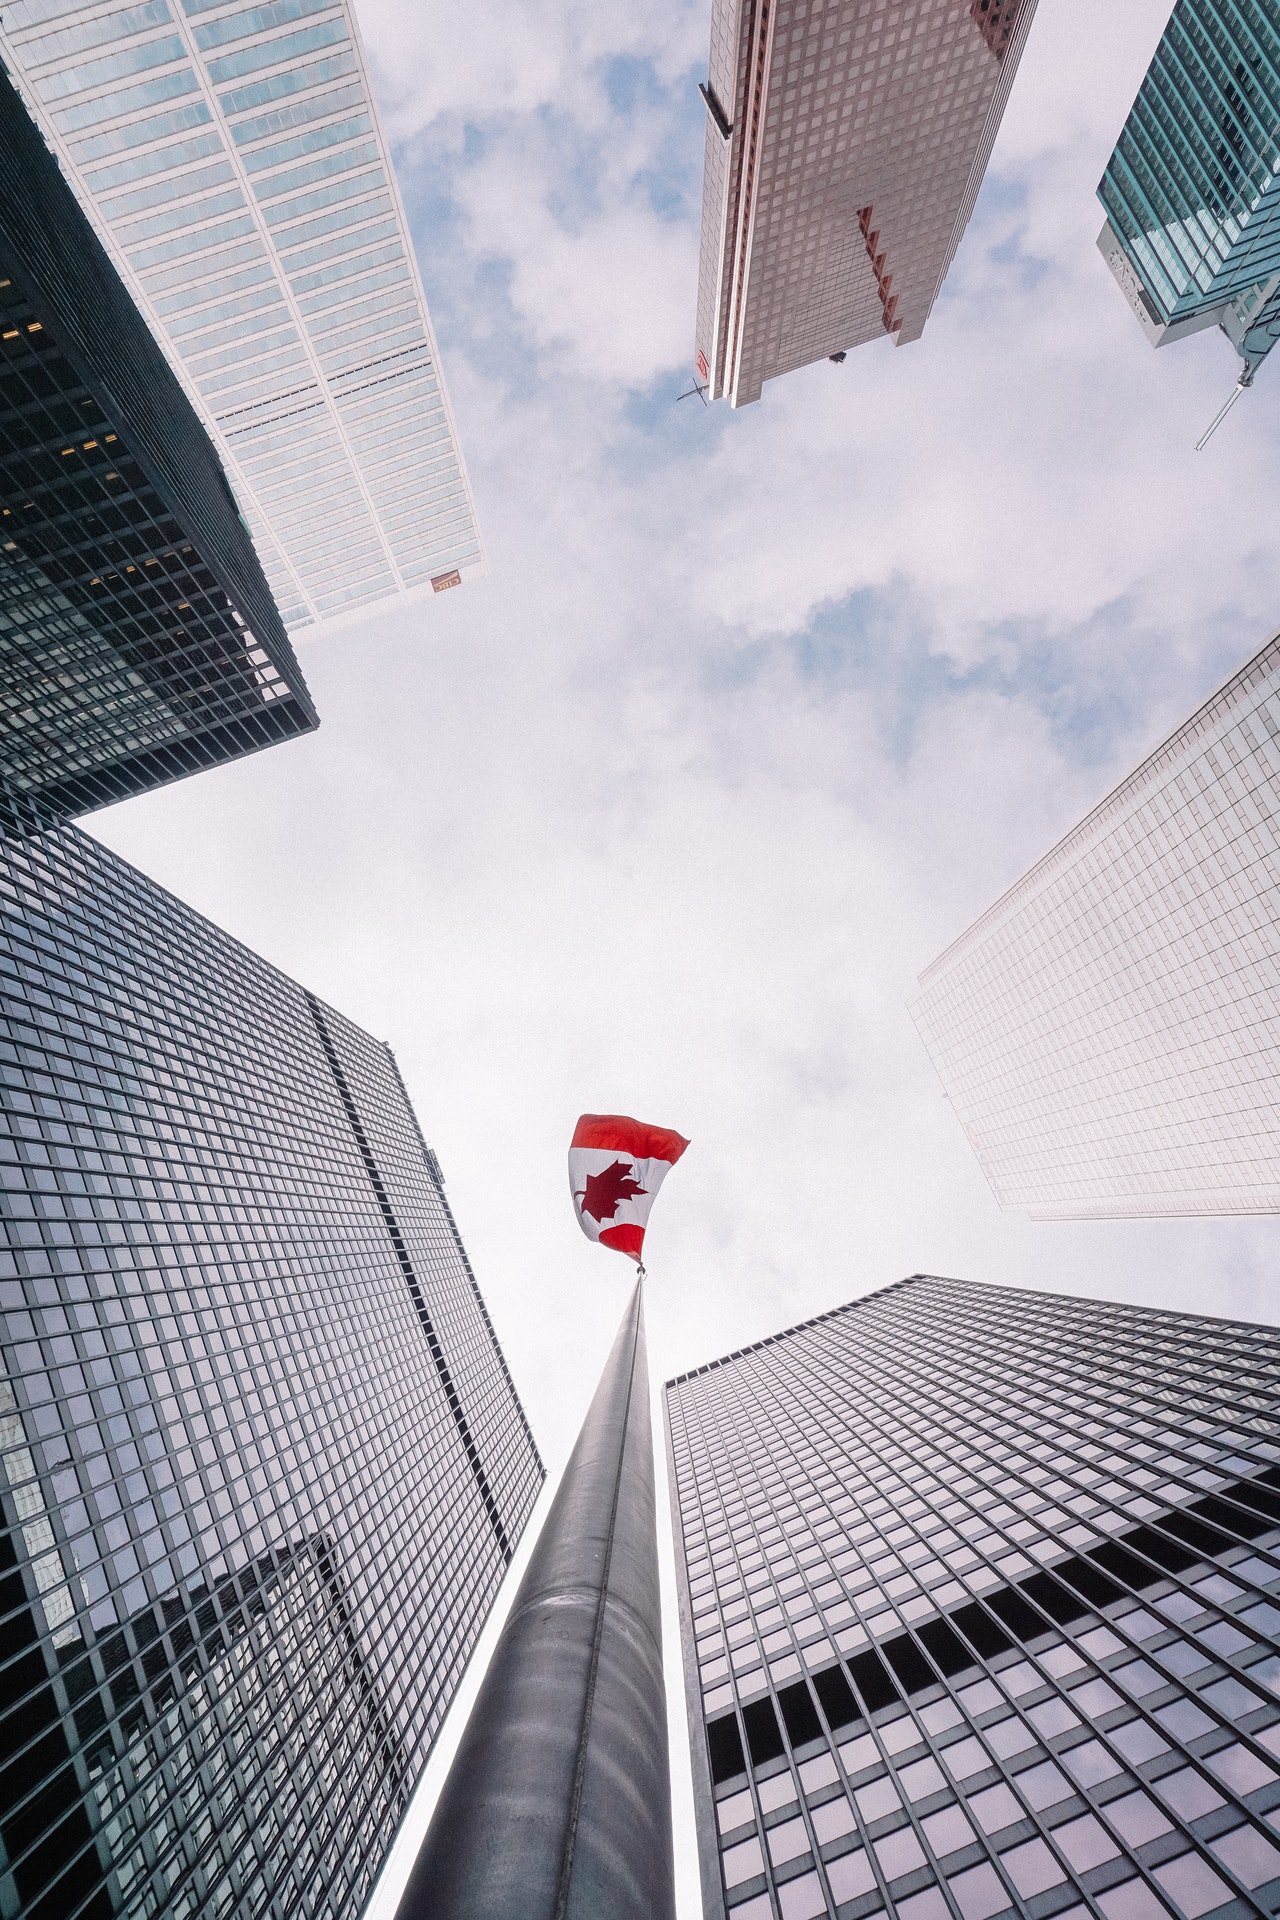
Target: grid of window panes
[[263, 1466], [840, 111], [979, 1608], [233, 160], [1107, 1031], [138, 639], [122, 662], [1192, 189]]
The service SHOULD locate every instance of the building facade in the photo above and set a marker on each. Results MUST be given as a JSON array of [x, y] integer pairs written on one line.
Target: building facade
[[233, 161], [978, 1600], [1107, 1031], [845, 146], [138, 637], [1192, 191], [263, 1465]]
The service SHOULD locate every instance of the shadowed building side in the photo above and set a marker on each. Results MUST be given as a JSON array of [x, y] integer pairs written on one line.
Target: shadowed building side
[[139, 640], [557, 1806]]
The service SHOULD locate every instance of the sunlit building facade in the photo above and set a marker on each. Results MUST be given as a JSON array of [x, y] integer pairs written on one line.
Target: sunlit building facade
[[1192, 191], [233, 161], [263, 1467], [979, 1603], [1107, 1031], [845, 146]]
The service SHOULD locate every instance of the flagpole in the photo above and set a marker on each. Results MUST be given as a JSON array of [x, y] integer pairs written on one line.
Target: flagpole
[[558, 1803]]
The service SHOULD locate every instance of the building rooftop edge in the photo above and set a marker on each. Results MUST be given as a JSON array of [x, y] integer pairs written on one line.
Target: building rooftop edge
[[801, 1326], [987, 1286]]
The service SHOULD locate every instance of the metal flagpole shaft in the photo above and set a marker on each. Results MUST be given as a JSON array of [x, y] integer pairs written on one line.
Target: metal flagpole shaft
[[557, 1806]]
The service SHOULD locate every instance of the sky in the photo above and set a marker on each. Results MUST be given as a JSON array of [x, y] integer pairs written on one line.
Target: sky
[[752, 713]]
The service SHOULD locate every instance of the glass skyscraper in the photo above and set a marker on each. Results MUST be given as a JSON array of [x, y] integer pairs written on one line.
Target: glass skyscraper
[[1192, 191], [138, 637], [845, 146], [263, 1465], [979, 1602], [233, 161], [1106, 1032]]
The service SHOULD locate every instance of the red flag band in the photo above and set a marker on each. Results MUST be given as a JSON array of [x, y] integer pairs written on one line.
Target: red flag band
[[616, 1166]]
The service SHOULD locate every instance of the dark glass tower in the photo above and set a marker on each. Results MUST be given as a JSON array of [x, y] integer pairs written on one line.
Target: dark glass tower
[[263, 1465], [138, 638], [979, 1608]]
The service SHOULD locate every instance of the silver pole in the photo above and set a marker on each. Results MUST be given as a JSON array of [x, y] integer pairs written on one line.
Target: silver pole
[[558, 1804]]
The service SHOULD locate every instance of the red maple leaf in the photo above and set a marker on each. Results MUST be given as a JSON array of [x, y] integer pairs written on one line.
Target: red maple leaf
[[605, 1192]]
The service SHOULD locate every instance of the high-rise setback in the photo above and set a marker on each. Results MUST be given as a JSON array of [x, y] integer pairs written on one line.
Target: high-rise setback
[[845, 146], [138, 637], [978, 1598], [1192, 191], [263, 1466], [1107, 1031], [233, 161]]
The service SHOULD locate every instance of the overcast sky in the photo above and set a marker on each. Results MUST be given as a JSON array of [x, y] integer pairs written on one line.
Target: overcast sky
[[753, 712]]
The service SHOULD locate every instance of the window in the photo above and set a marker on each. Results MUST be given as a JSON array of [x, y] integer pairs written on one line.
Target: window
[[947, 1830], [995, 1808], [852, 1874], [1137, 1819], [1085, 1842], [898, 1853], [1242, 1771], [742, 1862], [1090, 1763], [1043, 1786], [832, 1820], [788, 1841], [1249, 1856], [1193, 1884], [1031, 1867], [802, 1899], [877, 1799], [980, 1892]]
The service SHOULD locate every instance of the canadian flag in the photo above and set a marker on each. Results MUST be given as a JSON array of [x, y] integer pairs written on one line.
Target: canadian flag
[[616, 1166]]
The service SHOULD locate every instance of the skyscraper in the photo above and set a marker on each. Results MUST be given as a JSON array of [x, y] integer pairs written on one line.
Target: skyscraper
[[978, 1600], [138, 637], [233, 161], [1192, 191], [845, 146], [1106, 1032], [263, 1465]]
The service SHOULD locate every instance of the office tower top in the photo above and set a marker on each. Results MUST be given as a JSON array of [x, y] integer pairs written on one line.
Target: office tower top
[[1192, 191], [264, 1468], [845, 146], [234, 163], [1107, 1031], [979, 1604], [138, 637]]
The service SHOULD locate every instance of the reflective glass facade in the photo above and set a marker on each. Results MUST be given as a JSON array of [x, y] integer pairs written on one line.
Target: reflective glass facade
[[263, 1465], [1192, 191], [233, 160], [1107, 1031], [138, 637], [979, 1605], [845, 147]]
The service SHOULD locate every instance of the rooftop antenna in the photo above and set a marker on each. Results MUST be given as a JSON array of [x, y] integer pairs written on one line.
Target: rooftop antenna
[[1245, 380]]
